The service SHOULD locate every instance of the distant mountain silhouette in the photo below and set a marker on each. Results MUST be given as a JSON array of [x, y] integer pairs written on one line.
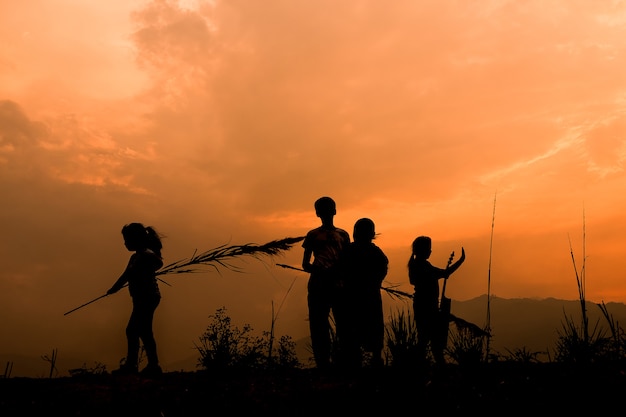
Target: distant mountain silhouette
[[532, 324]]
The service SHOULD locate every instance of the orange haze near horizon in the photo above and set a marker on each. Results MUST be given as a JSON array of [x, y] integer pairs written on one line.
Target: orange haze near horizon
[[496, 126]]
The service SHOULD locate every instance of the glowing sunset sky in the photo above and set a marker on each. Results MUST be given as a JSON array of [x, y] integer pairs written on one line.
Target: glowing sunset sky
[[220, 122]]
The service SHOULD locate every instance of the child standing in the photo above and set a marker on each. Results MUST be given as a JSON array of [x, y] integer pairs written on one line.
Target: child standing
[[425, 279], [363, 267], [140, 275], [322, 247]]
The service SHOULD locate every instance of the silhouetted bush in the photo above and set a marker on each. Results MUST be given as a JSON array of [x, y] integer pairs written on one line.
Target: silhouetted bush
[[465, 348], [225, 346], [401, 340]]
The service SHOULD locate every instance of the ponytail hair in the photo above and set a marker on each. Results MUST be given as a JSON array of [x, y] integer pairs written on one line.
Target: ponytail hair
[[153, 241], [144, 237]]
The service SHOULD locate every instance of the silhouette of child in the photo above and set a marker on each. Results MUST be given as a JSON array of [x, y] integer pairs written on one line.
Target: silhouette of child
[[323, 244], [363, 267], [140, 275], [425, 279]]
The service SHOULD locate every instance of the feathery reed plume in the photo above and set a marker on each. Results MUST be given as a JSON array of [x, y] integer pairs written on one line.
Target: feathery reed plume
[[222, 256]]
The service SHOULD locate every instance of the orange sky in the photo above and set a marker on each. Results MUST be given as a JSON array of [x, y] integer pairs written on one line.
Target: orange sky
[[222, 121]]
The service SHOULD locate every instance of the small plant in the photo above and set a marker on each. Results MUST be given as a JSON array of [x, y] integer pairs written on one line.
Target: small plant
[[97, 369], [53, 361], [286, 354], [466, 348], [523, 355], [576, 344], [8, 369], [617, 341], [225, 346], [401, 340]]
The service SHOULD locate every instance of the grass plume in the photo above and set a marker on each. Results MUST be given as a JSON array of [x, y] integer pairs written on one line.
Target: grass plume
[[224, 255]]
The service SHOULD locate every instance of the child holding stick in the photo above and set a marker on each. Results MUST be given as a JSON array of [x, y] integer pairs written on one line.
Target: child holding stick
[[140, 275], [425, 279]]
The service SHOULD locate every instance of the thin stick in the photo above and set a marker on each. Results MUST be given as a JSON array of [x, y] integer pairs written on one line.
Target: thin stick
[[390, 290], [102, 296], [86, 304], [290, 267]]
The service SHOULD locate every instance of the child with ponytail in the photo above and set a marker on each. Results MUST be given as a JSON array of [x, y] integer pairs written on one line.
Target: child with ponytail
[[140, 276]]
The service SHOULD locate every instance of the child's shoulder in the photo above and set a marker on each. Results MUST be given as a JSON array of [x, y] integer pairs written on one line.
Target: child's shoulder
[[344, 234]]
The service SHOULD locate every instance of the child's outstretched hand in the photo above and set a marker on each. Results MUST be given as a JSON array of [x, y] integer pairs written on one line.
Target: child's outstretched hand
[[462, 258]]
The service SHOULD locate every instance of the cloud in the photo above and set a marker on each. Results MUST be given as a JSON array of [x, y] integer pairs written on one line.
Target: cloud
[[222, 122], [18, 133]]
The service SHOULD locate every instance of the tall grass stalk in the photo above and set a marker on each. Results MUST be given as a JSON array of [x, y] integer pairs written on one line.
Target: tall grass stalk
[[53, 362], [488, 320], [576, 344], [580, 282], [8, 369], [273, 323]]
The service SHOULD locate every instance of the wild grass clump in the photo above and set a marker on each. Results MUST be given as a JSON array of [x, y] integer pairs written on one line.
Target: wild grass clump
[[401, 340], [617, 337], [523, 355], [576, 344], [225, 346], [467, 342], [465, 348]]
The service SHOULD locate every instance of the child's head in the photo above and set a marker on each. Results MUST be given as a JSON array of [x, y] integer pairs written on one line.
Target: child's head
[[138, 237], [364, 230], [325, 207], [422, 246]]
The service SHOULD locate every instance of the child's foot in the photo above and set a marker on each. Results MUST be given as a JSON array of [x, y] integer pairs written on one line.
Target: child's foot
[[125, 370], [152, 371]]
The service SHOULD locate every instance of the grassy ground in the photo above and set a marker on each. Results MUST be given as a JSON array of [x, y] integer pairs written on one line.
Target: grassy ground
[[489, 389]]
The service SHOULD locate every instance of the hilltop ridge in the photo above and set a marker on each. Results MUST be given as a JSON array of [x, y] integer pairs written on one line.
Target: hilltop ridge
[[530, 323]]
